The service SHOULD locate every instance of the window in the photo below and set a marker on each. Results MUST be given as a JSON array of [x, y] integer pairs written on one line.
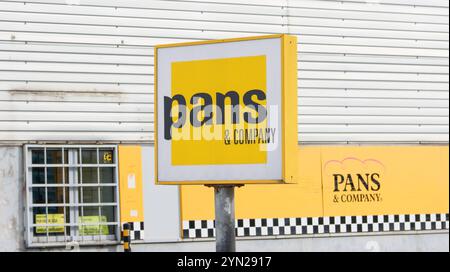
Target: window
[[72, 194]]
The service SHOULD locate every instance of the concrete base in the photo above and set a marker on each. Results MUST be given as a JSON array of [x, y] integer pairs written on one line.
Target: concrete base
[[420, 242], [402, 242]]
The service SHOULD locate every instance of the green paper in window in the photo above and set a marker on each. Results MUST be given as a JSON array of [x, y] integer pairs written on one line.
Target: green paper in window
[[93, 229]]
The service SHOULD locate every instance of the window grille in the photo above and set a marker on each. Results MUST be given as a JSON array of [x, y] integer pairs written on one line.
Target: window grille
[[72, 194]]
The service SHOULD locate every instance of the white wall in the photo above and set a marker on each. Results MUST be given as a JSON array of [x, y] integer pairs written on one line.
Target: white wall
[[369, 71]]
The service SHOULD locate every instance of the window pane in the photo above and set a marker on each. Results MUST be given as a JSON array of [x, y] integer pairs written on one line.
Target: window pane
[[38, 175], [37, 156], [56, 210], [109, 212], [90, 211], [38, 195], [54, 175], [107, 194], [90, 174], [54, 156], [106, 156], [109, 215], [55, 195], [90, 195], [89, 156], [107, 174]]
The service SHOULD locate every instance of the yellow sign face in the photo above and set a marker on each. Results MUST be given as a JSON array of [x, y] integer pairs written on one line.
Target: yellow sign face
[[229, 143], [52, 219], [226, 111]]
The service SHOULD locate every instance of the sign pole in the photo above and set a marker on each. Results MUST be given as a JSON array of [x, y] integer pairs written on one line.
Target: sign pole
[[224, 212]]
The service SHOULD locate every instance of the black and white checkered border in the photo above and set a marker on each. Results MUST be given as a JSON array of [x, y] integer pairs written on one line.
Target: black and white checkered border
[[322, 225], [136, 230]]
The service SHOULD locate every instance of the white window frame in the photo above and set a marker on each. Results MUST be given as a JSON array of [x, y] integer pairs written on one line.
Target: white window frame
[[73, 165]]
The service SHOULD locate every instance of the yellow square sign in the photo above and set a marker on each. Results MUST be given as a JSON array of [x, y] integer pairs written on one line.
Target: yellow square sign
[[237, 143], [226, 111]]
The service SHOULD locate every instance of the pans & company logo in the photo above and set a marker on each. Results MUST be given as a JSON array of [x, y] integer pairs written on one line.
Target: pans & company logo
[[354, 180]]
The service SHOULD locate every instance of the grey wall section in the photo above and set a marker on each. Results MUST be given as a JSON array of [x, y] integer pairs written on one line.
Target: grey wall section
[[377, 243], [161, 204], [12, 192], [412, 242], [369, 71]]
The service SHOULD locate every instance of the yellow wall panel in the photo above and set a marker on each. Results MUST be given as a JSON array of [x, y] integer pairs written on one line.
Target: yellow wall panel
[[262, 201], [197, 202], [130, 184], [285, 200], [385, 180]]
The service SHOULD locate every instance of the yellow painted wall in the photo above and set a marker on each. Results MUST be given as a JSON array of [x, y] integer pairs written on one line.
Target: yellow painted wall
[[413, 179], [130, 184]]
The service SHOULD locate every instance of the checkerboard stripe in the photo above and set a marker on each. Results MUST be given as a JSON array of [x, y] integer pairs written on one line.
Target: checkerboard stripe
[[136, 230], [322, 225]]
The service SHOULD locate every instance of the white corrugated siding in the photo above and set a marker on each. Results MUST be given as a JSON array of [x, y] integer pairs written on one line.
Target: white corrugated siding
[[369, 71]]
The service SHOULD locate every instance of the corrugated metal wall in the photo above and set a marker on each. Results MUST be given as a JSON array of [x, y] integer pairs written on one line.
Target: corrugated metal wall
[[369, 71]]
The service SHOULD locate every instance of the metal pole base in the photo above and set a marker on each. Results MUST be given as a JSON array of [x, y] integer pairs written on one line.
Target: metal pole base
[[224, 212]]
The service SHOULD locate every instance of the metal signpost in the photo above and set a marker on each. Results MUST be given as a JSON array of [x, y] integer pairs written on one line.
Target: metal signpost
[[225, 116], [224, 211]]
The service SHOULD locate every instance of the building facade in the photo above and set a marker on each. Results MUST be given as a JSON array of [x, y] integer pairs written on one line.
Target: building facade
[[76, 126]]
